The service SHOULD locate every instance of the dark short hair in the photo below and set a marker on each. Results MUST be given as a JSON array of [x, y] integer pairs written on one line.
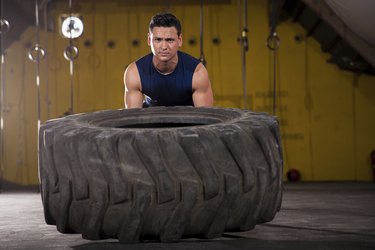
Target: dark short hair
[[165, 20]]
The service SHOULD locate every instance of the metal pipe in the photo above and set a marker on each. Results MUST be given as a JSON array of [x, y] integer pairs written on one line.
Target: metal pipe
[[202, 58], [2, 95], [244, 49]]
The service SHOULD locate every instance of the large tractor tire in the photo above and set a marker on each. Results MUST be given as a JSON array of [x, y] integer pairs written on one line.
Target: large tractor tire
[[160, 173]]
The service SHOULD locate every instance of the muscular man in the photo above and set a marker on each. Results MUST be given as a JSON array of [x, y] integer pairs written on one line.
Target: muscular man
[[167, 76]]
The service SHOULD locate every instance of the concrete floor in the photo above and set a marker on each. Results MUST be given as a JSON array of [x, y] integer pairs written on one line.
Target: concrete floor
[[313, 216]]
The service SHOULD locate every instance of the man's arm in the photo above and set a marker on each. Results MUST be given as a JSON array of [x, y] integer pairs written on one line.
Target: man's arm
[[202, 92], [133, 97]]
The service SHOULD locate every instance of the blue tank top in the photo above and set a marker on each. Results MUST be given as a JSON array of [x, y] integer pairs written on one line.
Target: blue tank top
[[174, 89]]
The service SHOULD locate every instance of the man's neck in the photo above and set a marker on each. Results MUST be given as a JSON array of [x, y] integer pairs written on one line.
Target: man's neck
[[167, 67]]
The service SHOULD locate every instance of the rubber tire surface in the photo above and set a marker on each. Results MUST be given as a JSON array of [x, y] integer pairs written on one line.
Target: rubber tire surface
[[165, 172]]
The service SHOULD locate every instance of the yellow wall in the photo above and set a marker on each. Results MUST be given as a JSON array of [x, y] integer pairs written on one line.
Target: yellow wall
[[327, 115]]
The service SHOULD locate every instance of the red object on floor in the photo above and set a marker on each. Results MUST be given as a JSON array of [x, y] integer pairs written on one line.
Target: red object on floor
[[293, 175]]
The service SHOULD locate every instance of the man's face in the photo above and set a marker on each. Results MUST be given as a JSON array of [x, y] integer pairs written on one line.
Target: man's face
[[164, 42]]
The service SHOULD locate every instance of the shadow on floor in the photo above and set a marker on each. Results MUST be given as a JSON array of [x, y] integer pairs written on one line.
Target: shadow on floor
[[228, 244]]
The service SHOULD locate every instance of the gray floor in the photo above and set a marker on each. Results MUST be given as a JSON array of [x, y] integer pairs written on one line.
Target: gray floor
[[313, 216]]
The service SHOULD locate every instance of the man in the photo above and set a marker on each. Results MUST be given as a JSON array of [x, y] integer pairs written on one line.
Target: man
[[167, 76]]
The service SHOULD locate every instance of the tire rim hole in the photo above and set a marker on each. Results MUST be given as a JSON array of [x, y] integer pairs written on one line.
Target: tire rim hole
[[161, 125]]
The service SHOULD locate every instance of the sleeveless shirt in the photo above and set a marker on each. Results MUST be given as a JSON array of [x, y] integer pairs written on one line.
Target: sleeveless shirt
[[174, 89]]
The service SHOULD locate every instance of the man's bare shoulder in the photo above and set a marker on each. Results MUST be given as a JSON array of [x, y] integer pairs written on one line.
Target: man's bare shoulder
[[202, 92], [200, 67], [131, 77], [200, 77], [131, 69]]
